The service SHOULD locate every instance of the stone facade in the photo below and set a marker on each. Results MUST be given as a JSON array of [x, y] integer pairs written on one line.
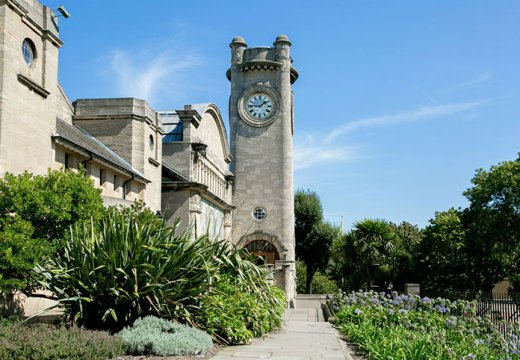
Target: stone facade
[[197, 184], [38, 124], [131, 129]]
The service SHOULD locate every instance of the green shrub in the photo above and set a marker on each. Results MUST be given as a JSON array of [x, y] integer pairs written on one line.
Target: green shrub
[[117, 271], [154, 336], [236, 315], [35, 214], [21, 341], [240, 304], [321, 283]]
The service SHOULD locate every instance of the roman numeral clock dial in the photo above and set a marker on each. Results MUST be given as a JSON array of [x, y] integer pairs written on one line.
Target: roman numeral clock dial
[[260, 106]]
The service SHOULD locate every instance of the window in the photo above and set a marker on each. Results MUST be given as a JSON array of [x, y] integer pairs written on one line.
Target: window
[[259, 214], [102, 177], [151, 142], [68, 161], [28, 51], [127, 189], [116, 183]]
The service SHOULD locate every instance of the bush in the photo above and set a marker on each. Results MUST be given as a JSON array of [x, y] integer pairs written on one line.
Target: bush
[[154, 336], [241, 304], [321, 283], [35, 214], [20, 341], [118, 270], [236, 315]]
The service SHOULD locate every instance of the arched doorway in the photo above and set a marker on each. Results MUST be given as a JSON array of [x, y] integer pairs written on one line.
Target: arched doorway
[[265, 250]]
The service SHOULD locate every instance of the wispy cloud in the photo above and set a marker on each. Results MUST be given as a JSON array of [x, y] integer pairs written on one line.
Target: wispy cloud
[[146, 76], [422, 113], [479, 80], [310, 152]]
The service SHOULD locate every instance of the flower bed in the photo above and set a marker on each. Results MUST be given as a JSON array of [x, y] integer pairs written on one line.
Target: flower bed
[[393, 327]]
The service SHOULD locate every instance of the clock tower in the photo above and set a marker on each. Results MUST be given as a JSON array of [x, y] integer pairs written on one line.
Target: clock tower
[[261, 137]]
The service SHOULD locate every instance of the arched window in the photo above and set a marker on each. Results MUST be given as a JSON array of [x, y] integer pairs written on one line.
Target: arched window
[[265, 250]]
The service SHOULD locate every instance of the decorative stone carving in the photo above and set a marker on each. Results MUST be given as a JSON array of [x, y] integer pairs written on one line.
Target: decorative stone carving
[[195, 203], [227, 219]]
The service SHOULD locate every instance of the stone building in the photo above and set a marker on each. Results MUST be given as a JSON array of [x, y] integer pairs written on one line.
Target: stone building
[[197, 184], [178, 162], [41, 129]]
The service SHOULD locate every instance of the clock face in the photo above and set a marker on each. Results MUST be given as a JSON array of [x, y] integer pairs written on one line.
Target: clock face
[[259, 106]]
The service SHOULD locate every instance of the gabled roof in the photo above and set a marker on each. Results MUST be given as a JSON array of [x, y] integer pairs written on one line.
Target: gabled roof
[[77, 138]]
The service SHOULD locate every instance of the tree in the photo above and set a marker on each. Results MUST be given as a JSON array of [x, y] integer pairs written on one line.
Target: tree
[[36, 213], [410, 237], [493, 224], [441, 255], [374, 242], [315, 251], [313, 236], [307, 213]]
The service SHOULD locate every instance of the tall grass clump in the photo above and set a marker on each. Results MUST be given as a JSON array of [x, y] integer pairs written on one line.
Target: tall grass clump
[[117, 270], [393, 326]]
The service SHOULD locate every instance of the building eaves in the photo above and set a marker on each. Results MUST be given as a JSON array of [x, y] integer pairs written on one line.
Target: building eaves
[[85, 142]]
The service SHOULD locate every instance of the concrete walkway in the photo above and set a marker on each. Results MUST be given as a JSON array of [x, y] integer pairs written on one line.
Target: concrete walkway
[[305, 336]]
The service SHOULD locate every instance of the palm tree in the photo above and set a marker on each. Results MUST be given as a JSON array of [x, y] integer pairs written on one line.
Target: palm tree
[[374, 242]]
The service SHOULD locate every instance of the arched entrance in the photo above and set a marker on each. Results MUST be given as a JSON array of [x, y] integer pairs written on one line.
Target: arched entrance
[[265, 246], [263, 249]]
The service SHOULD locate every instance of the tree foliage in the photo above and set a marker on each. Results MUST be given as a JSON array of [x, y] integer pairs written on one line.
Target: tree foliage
[[307, 213], [375, 253], [314, 237], [372, 242], [472, 249], [493, 224], [440, 255], [36, 212]]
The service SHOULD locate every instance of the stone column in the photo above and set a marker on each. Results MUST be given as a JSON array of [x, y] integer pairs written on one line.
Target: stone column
[[283, 46], [238, 46]]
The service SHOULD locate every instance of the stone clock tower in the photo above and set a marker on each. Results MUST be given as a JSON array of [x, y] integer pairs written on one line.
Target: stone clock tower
[[261, 138]]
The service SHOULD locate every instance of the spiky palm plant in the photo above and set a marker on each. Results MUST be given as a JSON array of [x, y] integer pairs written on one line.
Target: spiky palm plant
[[121, 269]]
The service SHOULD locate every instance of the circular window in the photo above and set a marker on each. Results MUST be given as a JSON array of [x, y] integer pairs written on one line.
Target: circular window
[[151, 142], [259, 213], [28, 51]]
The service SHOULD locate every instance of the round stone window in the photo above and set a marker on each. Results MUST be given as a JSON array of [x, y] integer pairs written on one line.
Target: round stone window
[[259, 214], [28, 51]]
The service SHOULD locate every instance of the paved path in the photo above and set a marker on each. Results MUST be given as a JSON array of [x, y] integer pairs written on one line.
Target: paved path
[[305, 337]]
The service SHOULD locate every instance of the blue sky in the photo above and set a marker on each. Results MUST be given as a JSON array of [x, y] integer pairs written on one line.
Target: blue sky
[[398, 102]]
